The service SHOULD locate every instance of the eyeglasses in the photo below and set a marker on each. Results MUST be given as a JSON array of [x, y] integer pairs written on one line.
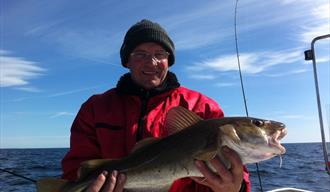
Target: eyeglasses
[[144, 56]]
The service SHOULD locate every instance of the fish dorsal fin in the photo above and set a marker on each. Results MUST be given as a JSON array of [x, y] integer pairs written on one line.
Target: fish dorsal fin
[[179, 118], [144, 142], [87, 167]]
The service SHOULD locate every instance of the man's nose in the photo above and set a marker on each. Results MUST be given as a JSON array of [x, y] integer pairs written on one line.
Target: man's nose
[[152, 59]]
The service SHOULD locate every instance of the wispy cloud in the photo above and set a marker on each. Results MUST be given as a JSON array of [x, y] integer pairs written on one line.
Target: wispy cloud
[[73, 91], [225, 84], [322, 11], [94, 44], [212, 22], [319, 24], [61, 114], [16, 71], [90, 38], [202, 77], [199, 24], [216, 21], [58, 94], [29, 89], [310, 33], [286, 73], [323, 59], [251, 63]]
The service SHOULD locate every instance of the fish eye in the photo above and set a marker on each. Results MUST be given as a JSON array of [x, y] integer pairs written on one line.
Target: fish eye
[[258, 123]]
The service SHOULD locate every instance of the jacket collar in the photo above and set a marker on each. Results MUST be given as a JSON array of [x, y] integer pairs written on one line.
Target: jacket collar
[[127, 86]]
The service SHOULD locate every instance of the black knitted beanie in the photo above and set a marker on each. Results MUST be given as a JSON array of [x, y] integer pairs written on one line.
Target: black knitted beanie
[[146, 31]]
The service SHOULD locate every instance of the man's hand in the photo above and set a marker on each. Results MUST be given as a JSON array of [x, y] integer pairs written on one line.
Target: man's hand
[[114, 183], [224, 179]]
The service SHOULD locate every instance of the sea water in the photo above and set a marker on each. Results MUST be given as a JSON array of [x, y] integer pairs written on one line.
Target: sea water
[[303, 167]]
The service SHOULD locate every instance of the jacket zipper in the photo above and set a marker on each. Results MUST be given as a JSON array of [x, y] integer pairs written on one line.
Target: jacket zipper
[[144, 104]]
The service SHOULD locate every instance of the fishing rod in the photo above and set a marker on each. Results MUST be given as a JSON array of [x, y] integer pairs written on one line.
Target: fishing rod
[[310, 55], [18, 175], [242, 84]]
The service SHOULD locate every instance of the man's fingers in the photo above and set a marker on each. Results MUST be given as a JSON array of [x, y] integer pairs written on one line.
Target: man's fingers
[[111, 183], [208, 174], [98, 183], [223, 179], [120, 183], [236, 162], [221, 170]]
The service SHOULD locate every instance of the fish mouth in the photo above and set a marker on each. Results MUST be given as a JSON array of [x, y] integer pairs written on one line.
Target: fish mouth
[[274, 140]]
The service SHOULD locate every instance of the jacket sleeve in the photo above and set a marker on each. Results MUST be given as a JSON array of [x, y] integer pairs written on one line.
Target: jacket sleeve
[[83, 142]]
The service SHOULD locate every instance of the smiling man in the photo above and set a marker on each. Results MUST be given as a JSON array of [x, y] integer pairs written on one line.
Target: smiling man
[[108, 125], [148, 64]]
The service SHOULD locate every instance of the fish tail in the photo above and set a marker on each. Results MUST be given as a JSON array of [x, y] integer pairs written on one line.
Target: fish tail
[[51, 185]]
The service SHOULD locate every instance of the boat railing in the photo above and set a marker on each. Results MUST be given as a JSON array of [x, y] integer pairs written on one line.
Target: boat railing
[[310, 55]]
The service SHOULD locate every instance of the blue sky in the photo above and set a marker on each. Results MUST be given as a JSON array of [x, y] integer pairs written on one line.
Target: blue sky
[[56, 54]]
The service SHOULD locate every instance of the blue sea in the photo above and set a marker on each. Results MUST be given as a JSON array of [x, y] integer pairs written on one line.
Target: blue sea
[[302, 167]]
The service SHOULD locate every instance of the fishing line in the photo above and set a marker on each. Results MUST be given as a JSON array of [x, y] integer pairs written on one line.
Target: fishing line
[[18, 175], [242, 84]]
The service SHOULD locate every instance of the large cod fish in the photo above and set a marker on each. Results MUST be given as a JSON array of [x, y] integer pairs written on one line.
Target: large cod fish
[[155, 163]]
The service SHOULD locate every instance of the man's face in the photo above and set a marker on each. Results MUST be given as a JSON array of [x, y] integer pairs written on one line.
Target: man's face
[[146, 70]]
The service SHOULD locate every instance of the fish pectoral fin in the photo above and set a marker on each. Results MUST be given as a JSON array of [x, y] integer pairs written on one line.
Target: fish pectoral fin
[[206, 155], [230, 131], [87, 167], [50, 185], [179, 118]]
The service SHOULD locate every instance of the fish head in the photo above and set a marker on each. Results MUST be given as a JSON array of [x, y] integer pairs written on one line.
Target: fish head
[[253, 139]]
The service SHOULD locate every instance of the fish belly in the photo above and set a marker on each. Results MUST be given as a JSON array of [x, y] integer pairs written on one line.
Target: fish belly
[[159, 177]]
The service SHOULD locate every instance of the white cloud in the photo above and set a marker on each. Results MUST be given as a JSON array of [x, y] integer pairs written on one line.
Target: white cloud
[[322, 11], [323, 59], [319, 23], [285, 2], [61, 114], [16, 71], [199, 24], [58, 94], [4, 52], [94, 44], [73, 91], [286, 73], [251, 63], [310, 33], [224, 84], [29, 89], [202, 77]]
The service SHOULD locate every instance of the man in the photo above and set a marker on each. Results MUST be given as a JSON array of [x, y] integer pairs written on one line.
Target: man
[[108, 125]]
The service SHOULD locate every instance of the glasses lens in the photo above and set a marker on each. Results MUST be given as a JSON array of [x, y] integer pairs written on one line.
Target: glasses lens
[[161, 56], [139, 55], [145, 55]]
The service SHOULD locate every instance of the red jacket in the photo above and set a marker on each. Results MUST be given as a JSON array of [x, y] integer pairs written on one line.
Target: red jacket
[[107, 125]]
